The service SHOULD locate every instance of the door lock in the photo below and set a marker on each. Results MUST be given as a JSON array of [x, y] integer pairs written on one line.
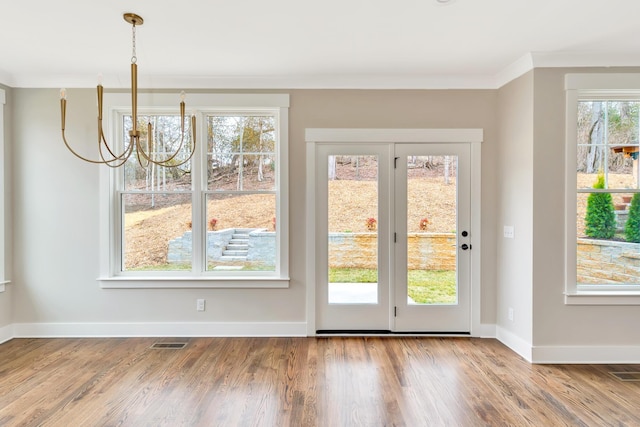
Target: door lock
[[464, 247]]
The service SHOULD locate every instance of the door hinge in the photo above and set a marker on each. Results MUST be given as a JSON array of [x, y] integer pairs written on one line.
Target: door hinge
[[395, 237], [395, 162], [395, 311]]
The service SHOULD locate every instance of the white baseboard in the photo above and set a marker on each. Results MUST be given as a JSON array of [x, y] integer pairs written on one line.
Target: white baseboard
[[538, 354], [195, 329], [484, 330], [6, 333], [515, 343], [586, 354]]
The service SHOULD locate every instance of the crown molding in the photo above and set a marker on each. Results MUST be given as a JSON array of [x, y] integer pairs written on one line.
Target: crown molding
[[512, 71], [6, 80], [584, 59], [520, 66], [262, 82]]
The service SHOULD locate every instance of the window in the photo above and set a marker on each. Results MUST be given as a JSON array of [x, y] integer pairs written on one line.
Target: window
[[603, 186], [219, 219]]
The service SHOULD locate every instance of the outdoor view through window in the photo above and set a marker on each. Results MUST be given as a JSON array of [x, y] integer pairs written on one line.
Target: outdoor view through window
[[608, 199], [226, 193]]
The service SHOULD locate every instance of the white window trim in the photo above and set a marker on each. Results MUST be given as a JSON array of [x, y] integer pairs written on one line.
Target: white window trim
[[111, 277], [591, 86], [3, 280]]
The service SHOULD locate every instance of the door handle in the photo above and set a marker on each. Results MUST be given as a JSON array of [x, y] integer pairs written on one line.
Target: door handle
[[464, 247]]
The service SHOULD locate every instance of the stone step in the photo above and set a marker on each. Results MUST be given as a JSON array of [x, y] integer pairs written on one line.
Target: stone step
[[240, 236], [237, 247], [239, 241], [235, 253], [232, 258], [244, 230]]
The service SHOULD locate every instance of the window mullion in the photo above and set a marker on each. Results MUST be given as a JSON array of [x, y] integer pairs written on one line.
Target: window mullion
[[606, 144], [198, 211]]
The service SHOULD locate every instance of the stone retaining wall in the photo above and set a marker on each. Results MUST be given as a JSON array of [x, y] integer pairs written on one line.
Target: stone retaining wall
[[426, 251], [605, 261], [262, 246]]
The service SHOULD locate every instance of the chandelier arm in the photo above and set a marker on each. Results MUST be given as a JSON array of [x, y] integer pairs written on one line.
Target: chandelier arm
[[103, 141], [193, 136], [165, 162], [63, 114], [122, 159], [113, 165], [173, 155], [99, 162], [139, 151]]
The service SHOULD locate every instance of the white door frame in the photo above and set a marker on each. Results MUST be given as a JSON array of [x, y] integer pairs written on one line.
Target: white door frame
[[474, 137]]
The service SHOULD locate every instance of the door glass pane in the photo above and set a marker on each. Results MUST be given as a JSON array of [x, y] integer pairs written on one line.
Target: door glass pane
[[353, 229], [431, 230]]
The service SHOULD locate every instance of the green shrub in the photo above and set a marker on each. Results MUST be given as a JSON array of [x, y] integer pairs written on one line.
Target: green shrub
[[600, 220], [632, 226]]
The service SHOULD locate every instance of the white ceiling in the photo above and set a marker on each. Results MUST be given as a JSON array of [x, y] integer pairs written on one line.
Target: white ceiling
[[299, 43]]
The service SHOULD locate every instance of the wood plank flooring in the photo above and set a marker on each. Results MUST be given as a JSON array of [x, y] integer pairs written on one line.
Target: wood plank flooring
[[336, 381]]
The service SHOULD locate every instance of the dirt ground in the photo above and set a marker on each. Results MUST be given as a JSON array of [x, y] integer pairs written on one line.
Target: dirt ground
[[351, 203], [352, 200]]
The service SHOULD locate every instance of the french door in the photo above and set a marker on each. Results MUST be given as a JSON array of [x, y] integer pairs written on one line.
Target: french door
[[393, 237]]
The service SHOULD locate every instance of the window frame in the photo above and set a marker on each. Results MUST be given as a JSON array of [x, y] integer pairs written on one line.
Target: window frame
[[111, 188], [3, 280], [590, 87]]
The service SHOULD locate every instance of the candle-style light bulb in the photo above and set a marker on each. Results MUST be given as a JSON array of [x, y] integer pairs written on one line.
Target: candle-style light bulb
[[100, 79], [63, 93], [182, 96]]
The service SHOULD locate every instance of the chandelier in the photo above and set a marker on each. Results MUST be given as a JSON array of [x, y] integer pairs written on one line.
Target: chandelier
[[145, 155]]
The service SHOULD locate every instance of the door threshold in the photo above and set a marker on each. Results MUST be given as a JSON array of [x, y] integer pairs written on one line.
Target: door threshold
[[385, 332]]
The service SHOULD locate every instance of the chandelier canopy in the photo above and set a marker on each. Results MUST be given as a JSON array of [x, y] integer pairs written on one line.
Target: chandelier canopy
[[110, 156]]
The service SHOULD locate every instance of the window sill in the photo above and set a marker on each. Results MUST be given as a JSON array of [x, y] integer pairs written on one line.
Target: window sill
[[2, 285], [602, 298], [192, 282]]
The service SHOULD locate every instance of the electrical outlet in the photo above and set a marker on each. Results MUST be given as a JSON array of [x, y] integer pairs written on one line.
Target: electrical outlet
[[200, 304], [511, 314], [508, 231]]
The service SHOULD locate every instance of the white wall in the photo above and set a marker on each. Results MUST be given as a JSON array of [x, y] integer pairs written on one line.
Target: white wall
[[515, 208], [54, 205], [56, 215], [560, 329]]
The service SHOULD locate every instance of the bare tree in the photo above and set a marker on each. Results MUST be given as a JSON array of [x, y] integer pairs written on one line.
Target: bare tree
[[596, 138], [332, 168]]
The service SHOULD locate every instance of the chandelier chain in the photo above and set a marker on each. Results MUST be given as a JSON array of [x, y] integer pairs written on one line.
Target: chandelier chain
[[134, 58]]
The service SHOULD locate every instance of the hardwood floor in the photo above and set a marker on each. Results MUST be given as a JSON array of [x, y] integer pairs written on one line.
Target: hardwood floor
[[338, 381]]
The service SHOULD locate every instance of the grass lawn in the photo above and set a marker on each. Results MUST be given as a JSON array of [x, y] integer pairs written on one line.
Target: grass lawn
[[425, 287]]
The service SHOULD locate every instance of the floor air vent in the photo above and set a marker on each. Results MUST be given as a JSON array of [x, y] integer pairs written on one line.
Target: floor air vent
[[626, 376], [169, 345]]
